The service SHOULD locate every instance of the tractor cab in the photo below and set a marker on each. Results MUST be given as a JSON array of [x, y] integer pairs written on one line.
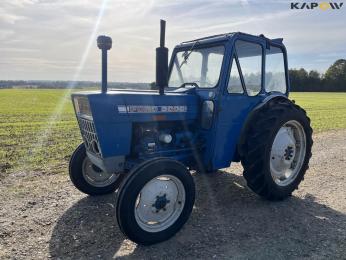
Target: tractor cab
[[231, 73], [234, 60]]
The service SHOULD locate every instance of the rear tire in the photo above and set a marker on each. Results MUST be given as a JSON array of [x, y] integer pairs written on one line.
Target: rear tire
[[277, 149], [155, 201], [88, 178]]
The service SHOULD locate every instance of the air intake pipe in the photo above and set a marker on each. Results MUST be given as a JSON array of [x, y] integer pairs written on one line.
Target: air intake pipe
[[162, 61], [104, 43]]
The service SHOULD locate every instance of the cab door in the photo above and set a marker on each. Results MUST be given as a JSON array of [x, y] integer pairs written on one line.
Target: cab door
[[242, 92]]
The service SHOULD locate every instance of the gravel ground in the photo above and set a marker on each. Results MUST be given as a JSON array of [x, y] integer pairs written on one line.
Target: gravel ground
[[43, 216]]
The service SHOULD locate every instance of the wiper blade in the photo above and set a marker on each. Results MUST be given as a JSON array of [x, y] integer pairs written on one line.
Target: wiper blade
[[187, 54]]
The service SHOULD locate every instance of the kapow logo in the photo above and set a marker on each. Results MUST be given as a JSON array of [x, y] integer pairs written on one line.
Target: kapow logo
[[314, 5]]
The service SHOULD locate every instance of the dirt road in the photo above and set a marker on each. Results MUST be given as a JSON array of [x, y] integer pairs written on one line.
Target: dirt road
[[43, 216]]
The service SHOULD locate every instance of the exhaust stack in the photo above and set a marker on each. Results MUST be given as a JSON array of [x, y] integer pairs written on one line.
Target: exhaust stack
[[104, 43], [162, 61]]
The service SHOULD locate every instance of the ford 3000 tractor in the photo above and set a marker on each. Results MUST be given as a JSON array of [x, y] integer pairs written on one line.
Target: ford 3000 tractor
[[220, 99]]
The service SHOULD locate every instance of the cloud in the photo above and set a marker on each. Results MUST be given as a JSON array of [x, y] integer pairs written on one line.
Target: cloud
[[231, 26], [8, 18], [5, 33], [59, 36]]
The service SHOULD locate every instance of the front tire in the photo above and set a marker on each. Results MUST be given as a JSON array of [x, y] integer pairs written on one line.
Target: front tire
[[277, 149], [155, 201], [88, 178]]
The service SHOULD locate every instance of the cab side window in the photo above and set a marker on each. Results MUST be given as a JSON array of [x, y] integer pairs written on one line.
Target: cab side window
[[234, 82], [250, 60], [275, 78]]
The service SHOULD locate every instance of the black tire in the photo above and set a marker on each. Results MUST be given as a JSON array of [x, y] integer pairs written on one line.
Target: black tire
[[78, 179], [132, 186], [255, 155]]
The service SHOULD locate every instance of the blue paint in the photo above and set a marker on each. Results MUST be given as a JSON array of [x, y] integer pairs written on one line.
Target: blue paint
[[216, 146]]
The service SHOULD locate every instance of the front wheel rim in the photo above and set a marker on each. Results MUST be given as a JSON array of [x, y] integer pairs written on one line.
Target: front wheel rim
[[95, 176], [287, 154], [160, 203]]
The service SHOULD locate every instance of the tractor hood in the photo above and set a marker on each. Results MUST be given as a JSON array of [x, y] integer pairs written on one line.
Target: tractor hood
[[138, 106], [110, 116]]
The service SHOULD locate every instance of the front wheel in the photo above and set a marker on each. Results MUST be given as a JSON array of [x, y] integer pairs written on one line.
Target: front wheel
[[277, 149], [88, 178], [155, 201]]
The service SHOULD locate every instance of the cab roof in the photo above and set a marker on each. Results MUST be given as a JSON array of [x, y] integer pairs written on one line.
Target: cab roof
[[229, 36]]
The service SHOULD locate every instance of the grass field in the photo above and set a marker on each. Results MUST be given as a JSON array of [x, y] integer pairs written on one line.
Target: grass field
[[38, 127], [327, 111]]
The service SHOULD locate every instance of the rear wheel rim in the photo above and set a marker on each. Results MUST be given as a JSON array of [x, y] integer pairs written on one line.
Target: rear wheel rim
[[160, 203], [287, 154], [95, 176]]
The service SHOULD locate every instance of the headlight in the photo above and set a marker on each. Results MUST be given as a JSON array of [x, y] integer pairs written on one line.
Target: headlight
[[82, 106]]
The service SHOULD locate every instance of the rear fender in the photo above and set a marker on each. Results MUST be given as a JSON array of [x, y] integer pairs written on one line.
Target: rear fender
[[252, 115]]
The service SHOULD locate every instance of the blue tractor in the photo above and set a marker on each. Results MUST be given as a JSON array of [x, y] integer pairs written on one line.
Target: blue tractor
[[220, 99]]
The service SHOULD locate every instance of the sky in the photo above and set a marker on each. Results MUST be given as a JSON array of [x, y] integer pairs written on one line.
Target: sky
[[56, 39]]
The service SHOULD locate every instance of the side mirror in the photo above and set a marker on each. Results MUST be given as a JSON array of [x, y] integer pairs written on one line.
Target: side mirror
[[207, 114]]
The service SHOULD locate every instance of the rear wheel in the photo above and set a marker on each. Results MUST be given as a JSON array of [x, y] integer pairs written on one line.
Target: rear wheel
[[88, 178], [277, 149], [155, 201]]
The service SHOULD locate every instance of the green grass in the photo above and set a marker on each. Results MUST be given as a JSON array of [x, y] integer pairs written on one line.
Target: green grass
[[327, 111], [37, 133]]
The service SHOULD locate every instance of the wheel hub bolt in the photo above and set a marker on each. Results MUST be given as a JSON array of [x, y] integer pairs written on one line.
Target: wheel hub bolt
[[160, 203], [288, 153]]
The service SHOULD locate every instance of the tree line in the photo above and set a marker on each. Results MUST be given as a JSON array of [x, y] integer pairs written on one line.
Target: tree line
[[50, 84], [333, 80]]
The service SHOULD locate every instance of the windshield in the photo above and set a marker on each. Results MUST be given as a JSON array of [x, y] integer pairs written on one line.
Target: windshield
[[201, 66]]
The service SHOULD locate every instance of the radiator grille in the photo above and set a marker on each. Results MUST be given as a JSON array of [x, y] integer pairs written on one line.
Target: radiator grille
[[89, 136]]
